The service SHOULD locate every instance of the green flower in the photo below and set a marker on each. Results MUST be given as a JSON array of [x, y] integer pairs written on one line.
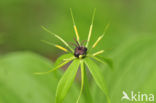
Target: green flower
[[80, 56]]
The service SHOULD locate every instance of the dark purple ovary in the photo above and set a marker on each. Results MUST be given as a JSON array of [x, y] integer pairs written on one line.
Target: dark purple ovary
[[80, 51]]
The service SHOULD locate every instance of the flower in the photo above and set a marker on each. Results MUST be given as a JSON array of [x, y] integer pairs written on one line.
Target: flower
[[80, 56]]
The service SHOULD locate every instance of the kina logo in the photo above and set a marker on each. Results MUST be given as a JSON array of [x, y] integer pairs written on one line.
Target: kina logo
[[138, 96]]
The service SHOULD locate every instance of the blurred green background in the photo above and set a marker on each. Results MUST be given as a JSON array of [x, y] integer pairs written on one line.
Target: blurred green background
[[130, 42]]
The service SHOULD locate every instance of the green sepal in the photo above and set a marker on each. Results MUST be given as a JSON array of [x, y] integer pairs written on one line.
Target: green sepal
[[98, 76], [66, 81]]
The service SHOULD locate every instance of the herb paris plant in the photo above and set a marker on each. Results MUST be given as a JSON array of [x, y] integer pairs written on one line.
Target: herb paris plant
[[80, 57]]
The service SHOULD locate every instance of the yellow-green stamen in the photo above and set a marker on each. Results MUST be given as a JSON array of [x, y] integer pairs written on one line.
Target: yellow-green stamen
[[75, 28], [58, 37], [99, 52], [99, 38], [90, 30], [55, 45], [62, 48], [94, 45]]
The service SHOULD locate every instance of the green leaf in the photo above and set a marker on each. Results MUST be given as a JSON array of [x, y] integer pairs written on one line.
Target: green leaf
[[82, 79], [66, 81], [18, 84], [98, 77], [104, 60], [87, 93], [134, 62], [62, 58]]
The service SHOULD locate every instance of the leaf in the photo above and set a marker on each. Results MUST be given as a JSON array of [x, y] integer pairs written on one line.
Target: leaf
[[66, 81], [87, 93], [98, 77], [134, 62], [82, 79], [18, 84], [104, 60]]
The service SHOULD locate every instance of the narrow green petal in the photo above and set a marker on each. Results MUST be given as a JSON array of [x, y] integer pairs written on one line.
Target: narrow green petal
[[63, 58], [104, 60], [66, 81], [58, 37], [82, 80], [98, 76], [55, 68]]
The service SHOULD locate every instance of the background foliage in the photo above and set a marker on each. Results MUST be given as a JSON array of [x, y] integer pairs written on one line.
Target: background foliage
[[130, 42]]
